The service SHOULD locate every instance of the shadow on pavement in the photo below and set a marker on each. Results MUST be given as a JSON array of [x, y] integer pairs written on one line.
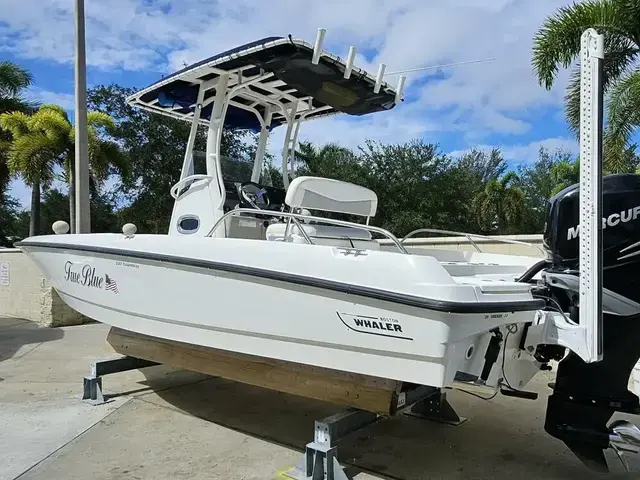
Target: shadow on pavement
[[18, 333], [486, 446]]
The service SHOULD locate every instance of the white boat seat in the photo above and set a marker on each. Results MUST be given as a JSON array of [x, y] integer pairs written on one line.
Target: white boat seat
[[329, 195], [330, 235]]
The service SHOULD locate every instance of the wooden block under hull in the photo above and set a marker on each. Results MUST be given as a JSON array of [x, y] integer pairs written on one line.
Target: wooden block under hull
[[373, 394]]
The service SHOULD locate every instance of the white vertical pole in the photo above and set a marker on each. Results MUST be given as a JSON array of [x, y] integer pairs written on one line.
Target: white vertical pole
[[83, 214], [317, 48], [214, 139], [350, 59], [591, 118], [262, 146], [379, 77], [286, 150], [188, 154], [400, 88]]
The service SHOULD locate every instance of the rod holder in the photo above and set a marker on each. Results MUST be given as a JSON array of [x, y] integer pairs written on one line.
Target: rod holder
[[400, 88], [317, 48], [350, 59], [379, 76]]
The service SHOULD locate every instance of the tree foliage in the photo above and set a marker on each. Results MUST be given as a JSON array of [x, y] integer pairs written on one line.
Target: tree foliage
[[13, 81], [156, 146], [417, 184], [557, 44]]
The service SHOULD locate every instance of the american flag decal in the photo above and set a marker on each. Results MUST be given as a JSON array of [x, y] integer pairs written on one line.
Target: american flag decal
[[110, 284]]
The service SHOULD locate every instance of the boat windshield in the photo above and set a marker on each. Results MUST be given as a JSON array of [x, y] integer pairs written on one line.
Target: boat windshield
[[234, 170]]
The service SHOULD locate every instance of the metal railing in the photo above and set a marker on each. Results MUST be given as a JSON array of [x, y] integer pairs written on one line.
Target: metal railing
[[469, 237], [296, 217]]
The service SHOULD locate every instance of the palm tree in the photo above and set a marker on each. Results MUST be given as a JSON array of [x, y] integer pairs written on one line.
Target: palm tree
[[501, 204], [557, 43], [47, 138], [13, 80], [31, 155], [104, 154]]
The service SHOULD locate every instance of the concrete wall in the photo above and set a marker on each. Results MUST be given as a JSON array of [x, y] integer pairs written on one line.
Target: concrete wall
[[29, 295]]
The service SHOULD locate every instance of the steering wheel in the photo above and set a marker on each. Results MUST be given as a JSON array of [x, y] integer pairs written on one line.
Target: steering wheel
[[255, 195]]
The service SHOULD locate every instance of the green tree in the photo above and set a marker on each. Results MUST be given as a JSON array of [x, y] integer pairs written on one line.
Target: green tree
[[156, 146], [500, 205], [557, 43], [538, 184], [9, 220], [564, 174], [13, 80], [45, 139], [32, 155], [471, 171], [413, 184], [329, 161], [55, 205], [104, 154]]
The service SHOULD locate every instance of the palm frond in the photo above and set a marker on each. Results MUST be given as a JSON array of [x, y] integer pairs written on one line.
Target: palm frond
[[53, 125], [623, 115], [15, 122], [117, 158], [100, 120], [32, 156], [557, 42], [54, 108], [572, 102], [13, 78], [17, 103]]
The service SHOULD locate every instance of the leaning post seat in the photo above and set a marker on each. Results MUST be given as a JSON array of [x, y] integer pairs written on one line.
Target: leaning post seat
[[328, 195]]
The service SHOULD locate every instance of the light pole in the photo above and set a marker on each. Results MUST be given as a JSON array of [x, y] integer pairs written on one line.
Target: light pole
[[83, 217]]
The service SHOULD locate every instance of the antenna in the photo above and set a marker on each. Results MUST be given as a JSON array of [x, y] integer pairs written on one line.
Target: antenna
[[435, 67]]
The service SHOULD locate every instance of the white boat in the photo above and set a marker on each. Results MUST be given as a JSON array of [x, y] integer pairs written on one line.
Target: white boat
[[251, 268]]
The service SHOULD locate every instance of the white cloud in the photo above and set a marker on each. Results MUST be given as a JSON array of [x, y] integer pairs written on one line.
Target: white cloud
[[528, 153], [65, 100], [474, 101]]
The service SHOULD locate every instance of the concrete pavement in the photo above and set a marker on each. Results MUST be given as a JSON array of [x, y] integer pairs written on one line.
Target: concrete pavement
[[170, 424]]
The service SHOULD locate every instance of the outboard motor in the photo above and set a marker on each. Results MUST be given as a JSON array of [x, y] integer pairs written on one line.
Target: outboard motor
[[586, 395]]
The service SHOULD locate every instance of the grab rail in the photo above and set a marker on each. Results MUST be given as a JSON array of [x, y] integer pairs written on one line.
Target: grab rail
[[180, 183], [296, 217], [469, 235]]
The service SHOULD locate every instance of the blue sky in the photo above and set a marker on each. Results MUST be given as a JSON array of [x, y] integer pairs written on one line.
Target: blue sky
[[499, 103]]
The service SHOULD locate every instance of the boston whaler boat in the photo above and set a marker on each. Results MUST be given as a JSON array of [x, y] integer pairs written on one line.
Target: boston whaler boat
[[254, 269]]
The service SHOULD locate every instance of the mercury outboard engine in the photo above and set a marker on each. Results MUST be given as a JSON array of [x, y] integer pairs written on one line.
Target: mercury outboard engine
[[586, 395]]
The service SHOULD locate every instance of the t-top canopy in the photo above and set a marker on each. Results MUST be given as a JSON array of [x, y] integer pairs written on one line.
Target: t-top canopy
[[277, 73]]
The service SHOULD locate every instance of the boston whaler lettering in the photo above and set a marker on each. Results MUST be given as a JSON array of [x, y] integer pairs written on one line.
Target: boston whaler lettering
[[258, 270]]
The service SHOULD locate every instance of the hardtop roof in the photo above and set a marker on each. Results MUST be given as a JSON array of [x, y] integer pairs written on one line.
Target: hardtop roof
[[320, 90]]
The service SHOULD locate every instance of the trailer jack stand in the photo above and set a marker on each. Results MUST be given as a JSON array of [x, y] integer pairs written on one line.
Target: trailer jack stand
[[320, 460], [92, 384], [438, 409]]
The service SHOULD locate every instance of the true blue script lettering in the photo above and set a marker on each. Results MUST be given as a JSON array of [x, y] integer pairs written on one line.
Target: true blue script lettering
[[86, 276]]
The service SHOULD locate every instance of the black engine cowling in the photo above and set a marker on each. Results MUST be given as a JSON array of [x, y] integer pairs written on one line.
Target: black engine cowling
[[586, 395]]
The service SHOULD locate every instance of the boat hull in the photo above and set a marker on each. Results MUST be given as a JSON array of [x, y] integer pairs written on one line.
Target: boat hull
[[198, 301]]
